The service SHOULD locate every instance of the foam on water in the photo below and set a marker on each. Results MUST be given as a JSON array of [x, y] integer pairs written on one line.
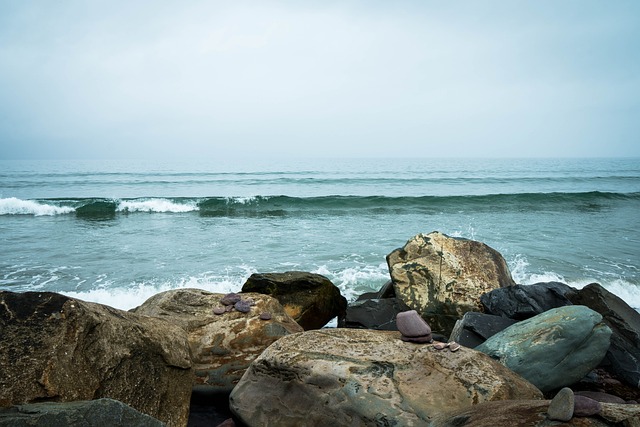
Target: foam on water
[[353, 281], [156, 205], [15, 206]]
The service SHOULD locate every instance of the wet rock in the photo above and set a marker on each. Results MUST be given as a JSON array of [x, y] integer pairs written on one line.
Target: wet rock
[[442, 277], [379, 314], [475, 328], [623, 357], [310, 299], [553, 349], [366, 378], [562, 405], [522, 302], [56, 348]]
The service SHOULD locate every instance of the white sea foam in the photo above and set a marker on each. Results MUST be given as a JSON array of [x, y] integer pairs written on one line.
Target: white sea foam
[[126, 298], [14, 206], [353, 281], [242, 200], [156, 205]]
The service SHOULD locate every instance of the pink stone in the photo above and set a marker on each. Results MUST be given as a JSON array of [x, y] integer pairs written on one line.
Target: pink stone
[[410, 324], [219, 310]]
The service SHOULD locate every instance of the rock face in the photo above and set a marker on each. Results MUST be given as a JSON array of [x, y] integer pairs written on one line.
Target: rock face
[[522, 302], [359, 377], [555, 348], [624, 354], [84, 413], [475, 328], [442, 277], [56, 348], [222, 345], [310, 299]]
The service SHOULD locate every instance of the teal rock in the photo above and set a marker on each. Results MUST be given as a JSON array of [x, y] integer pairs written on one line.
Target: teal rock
[[554, 349]]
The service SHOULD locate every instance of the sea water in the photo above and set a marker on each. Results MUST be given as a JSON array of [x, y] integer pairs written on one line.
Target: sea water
[[117, 232]]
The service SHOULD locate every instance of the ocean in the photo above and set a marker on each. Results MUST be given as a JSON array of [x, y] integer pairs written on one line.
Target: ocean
[[118, 232]]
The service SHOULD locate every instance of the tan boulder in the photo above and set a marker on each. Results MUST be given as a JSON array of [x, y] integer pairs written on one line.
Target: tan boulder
[[443, 277], [56, 348], [360, 377], [222, 345]]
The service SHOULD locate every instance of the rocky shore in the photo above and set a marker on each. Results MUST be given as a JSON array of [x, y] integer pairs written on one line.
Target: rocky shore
[[451, 340]]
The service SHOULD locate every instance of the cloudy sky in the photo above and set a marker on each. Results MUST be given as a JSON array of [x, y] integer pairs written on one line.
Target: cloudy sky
[[167, 79]]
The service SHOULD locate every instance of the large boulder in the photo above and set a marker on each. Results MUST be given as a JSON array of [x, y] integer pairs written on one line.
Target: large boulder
[[443, 277], [553, 349], [475, 328], [623, 357], [366, 378], [222, 345], [56, 348], [521, 302], [83, 413], [310, 299]]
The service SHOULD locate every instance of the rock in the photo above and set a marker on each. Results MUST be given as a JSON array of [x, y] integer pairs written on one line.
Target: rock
[[224, 345], [242, 306], [529, 413], [56, 348], [585, 406], [442, 277], [364, 377], [310, 299], [600, 396], [265, 315], [522, 302], [84, 413], [553, 349], [623, 356], [475, 328], [562, 405], [629, 415], [377, 314], [230, 299], [411, 325]]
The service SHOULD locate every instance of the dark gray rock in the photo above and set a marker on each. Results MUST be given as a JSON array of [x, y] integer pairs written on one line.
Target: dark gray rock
[[623, 356], [310, 299], [522, 302], [377, 314], [554, 349], [475, 328], [87, 413], [585, 406]]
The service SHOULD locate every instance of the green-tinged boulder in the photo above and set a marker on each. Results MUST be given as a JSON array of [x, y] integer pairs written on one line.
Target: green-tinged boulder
[[443, 277], [357, 377], [554, 349]]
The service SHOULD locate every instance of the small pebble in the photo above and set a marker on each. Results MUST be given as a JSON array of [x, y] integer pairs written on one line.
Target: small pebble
[[265, 315], [242, 306], [230, 299], [219, 310], [562, 405]]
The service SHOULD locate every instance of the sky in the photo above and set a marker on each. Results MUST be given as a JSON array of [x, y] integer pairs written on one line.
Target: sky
[[208, 79]]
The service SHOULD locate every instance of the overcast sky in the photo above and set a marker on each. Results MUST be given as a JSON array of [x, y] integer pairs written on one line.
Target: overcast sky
[[167, 79]]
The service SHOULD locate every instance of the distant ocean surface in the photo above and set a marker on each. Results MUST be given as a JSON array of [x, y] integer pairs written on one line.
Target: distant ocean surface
[[117, 232]]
